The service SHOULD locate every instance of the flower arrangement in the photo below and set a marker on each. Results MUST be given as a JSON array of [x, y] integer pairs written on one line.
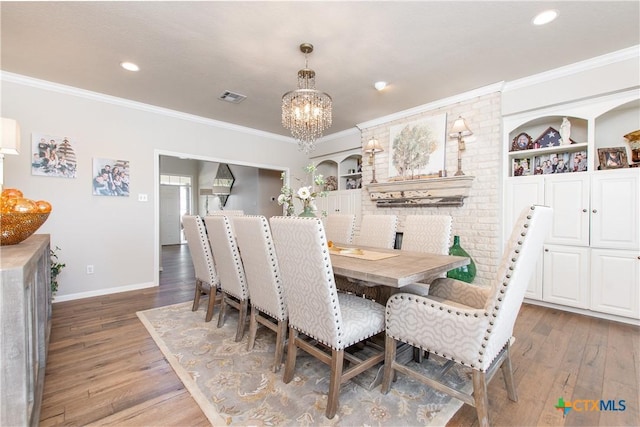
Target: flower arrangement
[[306, 193]]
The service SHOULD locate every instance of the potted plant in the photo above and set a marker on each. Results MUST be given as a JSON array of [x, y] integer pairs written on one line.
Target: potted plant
[[56, 267]]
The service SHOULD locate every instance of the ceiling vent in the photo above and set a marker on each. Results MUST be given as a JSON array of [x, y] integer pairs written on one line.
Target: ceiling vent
[[232, 97]]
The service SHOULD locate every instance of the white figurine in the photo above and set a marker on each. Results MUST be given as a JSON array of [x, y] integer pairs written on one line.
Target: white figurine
[[565, 132]]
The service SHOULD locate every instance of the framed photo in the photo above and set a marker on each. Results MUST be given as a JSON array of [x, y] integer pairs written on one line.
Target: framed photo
[[578, 161], [417, 149], [522, 141], [521, 167], [52, 156], [110, 177], [613, 158]]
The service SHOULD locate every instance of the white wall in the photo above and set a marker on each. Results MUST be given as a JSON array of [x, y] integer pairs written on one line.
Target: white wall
[[116, 234]]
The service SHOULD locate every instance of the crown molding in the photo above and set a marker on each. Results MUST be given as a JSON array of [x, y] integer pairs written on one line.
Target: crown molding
[[444, 102], [100, 97], [578, 67]]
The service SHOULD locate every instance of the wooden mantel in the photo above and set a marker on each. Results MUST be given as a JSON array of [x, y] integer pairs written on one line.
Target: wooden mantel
[[431, 192]]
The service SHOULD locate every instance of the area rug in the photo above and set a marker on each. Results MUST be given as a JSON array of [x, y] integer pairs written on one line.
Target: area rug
[[234, 386]]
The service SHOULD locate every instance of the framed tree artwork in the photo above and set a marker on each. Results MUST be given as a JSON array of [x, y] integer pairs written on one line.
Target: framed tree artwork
[[417, 149]]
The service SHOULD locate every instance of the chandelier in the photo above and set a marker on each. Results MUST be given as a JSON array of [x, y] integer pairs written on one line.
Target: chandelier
[[306, 112]]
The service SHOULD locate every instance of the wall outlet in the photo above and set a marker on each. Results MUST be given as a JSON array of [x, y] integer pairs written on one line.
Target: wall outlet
[[89, 269], [143, 197]]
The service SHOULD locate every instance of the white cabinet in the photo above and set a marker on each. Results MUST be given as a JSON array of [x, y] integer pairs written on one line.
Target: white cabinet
[[591, 256], [566, 273], [615, 203], [615, 275], [568, 195], [341, 202]]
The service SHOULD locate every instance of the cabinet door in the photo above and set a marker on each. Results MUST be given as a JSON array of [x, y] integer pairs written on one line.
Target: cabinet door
[[615, 209], [566, 279], [568, 195], [615, 282], [522, 192]]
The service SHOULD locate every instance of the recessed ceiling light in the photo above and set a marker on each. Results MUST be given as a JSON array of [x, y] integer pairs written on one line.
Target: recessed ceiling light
[[380, 85], [545, 17], [130, 66]]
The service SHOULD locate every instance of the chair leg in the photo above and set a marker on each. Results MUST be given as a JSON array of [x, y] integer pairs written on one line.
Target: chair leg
[[196, 297], [389, 358], [223, 311], [507, 373], [292, 350], [480, 397], [212, 302], [337, 360], [242, 319], [281, 334], [253, 328]]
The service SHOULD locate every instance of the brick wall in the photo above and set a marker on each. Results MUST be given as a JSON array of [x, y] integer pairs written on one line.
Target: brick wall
[[478, 221]]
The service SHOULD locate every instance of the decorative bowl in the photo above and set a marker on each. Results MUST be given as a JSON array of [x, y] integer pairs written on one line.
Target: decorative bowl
[[17, 226]]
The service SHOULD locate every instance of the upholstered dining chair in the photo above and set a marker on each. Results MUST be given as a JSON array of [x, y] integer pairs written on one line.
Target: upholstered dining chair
[[207, 281], [233, 284], [377, 231], [339, 227], [316, 310], [426, 233], [268, 303], [468, 324]]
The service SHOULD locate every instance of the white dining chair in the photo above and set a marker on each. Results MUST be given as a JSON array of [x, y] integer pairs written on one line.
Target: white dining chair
[[339, 227], [428, 234], [207, 281], [468, 324], [262, 271], [233, 284], [317, 311], [236, 212], [377, 231]]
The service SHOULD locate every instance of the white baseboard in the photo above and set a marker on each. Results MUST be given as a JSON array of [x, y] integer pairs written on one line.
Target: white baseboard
[[101, 292], [616, 318]]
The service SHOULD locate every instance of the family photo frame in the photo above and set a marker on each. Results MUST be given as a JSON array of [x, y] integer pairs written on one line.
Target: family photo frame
[[613, 158]]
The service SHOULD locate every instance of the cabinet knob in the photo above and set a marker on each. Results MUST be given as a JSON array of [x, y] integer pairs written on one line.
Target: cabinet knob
[[595, 211], [584, 210], [546, 250]]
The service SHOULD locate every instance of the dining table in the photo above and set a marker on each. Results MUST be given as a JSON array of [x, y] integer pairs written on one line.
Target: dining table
[[392, 268]]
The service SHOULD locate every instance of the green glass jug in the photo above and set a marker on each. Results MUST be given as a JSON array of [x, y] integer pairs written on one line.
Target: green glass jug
[[466, 273]]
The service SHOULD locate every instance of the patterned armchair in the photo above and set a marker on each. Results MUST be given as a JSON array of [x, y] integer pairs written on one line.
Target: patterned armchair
[[207, 280], [233, 284], [339, 228], [316, 310], [468, 324], [268, 304]]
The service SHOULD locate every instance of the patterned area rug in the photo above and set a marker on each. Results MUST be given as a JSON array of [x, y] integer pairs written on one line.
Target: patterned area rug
[[234, 386]]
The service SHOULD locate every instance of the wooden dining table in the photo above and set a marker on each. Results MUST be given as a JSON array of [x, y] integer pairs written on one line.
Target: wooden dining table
[[399, 269]]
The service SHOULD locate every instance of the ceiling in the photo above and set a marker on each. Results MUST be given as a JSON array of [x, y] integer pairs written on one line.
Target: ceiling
[[189, 53]]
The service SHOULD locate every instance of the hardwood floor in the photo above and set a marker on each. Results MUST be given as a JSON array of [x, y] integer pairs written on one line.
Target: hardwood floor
[[103, 368]]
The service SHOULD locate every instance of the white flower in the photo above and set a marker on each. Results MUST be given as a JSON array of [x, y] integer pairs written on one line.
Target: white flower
[[304, 193], [282, 199]]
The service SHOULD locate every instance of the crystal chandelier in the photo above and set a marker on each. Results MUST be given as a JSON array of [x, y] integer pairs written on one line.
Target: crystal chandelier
[[306, 112]]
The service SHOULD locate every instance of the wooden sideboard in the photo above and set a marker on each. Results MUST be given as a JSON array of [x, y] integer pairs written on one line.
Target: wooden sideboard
[[25, 319]]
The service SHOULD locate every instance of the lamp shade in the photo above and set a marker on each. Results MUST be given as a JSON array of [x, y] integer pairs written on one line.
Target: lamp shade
[[10, 142], [460, 128], [373, 146]]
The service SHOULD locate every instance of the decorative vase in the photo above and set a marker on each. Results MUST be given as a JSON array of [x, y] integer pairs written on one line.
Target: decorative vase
[[466, 273], [308, 212]]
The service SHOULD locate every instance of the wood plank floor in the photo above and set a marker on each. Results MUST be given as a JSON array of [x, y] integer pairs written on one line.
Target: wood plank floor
[[104, 369]]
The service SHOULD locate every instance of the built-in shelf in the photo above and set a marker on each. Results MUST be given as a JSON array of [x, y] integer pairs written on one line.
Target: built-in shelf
[[450, 191]]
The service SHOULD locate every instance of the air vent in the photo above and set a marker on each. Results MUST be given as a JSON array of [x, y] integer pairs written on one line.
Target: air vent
[[233, 97]]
